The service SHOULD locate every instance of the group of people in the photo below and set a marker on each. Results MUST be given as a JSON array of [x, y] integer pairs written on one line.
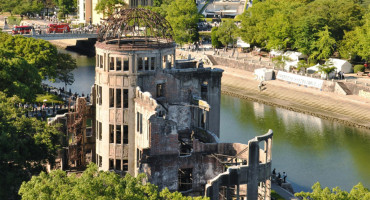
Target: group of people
[[340, 75], [280, 179]]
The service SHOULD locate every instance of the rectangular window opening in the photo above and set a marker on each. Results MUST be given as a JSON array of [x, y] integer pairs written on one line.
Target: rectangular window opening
[[118, 98], [141, 123], [125, 134], [125, 165], [118, 164], [101, 61], [100, 95], [111, 63], [146, 63], [100, 161], [111, 97], [111, 133], [111, 164], [100, 130], [125, 64], [185, 179], [137, 122], [118, 63], [140, 64], [160, 90], [125, 98], [118, 134], [152, 63]]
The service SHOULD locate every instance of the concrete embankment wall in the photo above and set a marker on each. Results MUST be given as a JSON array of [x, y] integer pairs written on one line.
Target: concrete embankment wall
[[81, 46], [251, 65]]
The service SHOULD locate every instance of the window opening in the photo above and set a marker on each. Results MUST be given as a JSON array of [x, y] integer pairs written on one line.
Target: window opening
[[186, 144], [118, 98], [125, 165], [125, 98], [118, 134], [118, 164], [141, 123], [204, 90], [140, 63], [160, 90], [137, 122], [125, 64], [100, 95], [111, 133], [97, 129], [146, 63], [119, 63], [111, 97], [111, 63], [152, 63], [100, 161], [100, 130], [185, 179], [125, 134], [101, 61], [111, 162]]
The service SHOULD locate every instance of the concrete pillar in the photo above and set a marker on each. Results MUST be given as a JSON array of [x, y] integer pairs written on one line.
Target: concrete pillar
[[253, 161]]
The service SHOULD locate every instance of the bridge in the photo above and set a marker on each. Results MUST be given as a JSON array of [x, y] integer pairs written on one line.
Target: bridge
[[62, 36]]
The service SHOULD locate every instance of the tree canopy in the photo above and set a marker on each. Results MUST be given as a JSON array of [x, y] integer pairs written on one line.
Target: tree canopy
[[107, 7], [358, 192], [183, 17], [24, 62], [227, 32], [94, 184], [26, 144], [311, 27]]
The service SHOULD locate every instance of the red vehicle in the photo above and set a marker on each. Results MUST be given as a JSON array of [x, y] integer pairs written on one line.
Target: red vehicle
[[58, 28], [22, 29]]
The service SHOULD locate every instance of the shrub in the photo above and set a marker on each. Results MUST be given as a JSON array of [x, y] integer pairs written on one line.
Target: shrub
[[359, 68]]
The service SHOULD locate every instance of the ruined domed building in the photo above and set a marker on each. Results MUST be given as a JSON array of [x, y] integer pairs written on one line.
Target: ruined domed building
[[159, 116]]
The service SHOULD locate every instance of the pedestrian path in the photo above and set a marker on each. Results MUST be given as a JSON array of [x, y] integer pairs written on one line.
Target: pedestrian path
[[327, 105]]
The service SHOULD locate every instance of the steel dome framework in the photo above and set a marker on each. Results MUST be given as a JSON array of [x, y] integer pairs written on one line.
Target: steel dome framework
[[136, 26]]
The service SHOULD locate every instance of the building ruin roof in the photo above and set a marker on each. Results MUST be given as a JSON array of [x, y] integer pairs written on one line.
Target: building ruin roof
[[136, 24]]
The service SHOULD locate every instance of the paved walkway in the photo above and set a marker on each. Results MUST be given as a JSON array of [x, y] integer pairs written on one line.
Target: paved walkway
[[327, 105], [282, 192]]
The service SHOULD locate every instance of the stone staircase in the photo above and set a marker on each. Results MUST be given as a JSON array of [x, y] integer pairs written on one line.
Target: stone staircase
[[341, 88]]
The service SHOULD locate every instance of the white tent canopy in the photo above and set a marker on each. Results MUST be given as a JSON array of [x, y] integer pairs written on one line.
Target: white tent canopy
[[341, 65], [293, 59]]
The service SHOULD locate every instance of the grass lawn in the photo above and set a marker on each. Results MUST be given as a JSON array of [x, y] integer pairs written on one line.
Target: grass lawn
[[51, 98]]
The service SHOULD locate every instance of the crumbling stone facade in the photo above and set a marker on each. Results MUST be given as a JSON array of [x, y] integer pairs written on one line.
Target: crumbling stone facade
[[160, 116]]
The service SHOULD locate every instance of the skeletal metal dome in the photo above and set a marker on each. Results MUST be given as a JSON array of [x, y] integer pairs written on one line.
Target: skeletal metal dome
[[136, 24]]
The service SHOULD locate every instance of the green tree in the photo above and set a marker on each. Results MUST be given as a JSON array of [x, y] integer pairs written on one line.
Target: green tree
[[227, 33], [93, 184], [183, 17], [66, 6], [107, 7], [26, 144], [357, 42], [39, 53], [323, 47], [327, 68], [17, 77], [21, 6], [358, 192], [215, 41]]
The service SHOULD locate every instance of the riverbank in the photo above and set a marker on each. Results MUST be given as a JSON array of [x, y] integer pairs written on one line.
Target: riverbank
[[346, 109]]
